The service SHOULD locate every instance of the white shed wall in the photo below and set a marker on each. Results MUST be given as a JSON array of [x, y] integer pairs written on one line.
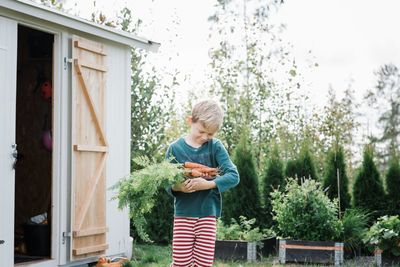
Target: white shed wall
[[118, 135]]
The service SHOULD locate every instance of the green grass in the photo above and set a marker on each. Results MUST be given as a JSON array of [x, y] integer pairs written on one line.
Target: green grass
[[145, 255], [161, 256]]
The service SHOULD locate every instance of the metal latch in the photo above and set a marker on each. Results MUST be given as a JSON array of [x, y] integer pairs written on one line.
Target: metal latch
[[66, 61], [65, 235]]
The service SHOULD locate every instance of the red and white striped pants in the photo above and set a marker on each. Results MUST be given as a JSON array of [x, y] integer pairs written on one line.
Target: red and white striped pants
[[193, 241]]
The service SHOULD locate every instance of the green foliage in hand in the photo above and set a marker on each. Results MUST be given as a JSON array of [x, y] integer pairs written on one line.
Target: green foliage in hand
[[244, 230], [304, 212], [139, 190], [385, 234]]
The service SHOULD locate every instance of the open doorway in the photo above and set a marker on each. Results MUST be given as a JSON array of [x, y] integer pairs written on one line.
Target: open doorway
[[33, 169]]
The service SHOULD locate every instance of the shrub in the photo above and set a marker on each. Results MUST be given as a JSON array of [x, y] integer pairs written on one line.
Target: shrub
[[385, 235], [272, 179], [355, 224], [243, 230], [392, 186], [304, 212], [335, 162], [368, 193]]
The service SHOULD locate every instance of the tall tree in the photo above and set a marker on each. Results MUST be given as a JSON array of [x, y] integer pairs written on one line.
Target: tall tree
[[336, 177], [393, 186], [337, 125], [385, 98], [272, 179], [368, 193]]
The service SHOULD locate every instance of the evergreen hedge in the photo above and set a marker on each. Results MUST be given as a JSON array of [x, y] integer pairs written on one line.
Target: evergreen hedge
[[302, 167], [393, 186], [273, 179], [244, 199], [368, 193], [335, 161]]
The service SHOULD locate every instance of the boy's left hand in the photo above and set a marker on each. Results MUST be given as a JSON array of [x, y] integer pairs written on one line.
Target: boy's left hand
[[197, 184]]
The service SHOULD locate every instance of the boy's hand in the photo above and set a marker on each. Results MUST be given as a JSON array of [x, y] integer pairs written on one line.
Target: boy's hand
[[181, 188], [197, 184]]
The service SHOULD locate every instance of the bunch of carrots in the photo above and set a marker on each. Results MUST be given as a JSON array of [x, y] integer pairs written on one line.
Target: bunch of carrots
[[193, 170]]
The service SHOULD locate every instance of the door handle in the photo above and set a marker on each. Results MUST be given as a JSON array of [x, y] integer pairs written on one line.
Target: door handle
[[14, 154], [2, 242]]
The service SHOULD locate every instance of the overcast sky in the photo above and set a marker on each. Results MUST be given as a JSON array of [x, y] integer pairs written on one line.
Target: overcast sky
[[349, 39]]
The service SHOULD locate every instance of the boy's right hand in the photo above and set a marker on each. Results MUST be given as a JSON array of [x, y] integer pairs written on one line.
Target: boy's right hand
[[182, 188]]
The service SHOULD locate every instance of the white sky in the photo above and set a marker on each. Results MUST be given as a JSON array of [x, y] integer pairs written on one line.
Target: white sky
[[349, 39]]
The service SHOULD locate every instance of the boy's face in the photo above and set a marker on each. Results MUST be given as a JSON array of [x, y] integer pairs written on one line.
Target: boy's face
[[199, 134]]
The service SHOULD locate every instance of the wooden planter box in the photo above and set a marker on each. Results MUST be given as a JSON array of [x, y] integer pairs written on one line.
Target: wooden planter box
[[385, 259], [235, 250], [310, 252], [244, 250]]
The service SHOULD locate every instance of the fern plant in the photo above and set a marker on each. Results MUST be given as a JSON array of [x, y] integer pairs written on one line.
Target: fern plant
[[138, 191]]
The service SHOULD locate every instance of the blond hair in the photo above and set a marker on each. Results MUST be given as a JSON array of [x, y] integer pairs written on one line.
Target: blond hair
[[209, 113]]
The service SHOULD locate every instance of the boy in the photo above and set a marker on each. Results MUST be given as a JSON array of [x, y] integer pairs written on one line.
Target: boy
[[197, 201]]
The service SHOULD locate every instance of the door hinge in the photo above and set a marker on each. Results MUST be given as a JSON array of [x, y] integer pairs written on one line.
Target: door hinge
[[65, 235], [66, 61]]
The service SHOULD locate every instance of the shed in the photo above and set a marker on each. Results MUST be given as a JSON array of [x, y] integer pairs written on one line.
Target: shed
[[64, 136]]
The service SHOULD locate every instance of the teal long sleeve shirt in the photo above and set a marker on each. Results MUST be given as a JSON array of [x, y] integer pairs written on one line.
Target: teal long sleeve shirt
[[205, 202]]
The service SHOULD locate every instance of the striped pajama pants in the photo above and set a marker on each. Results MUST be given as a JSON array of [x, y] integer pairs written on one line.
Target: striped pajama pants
[[193, 241]]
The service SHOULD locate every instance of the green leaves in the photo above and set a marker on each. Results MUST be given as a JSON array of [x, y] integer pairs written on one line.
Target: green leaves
[[385, 234], [304, 212], [243, 230], [139, 190]]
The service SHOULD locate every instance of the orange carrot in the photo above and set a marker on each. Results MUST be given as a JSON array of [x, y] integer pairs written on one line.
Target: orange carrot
[[193, 165]]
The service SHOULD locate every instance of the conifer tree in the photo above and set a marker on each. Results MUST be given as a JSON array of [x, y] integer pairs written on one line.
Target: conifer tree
[[244, 199], [302, 167], [336, 166], [291, 169], [273, 179], [393, 186], [368, 193]]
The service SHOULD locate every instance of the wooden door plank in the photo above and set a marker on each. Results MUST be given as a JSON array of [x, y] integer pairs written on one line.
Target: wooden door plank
[[90, 232], [91, 249], [92, 107], [81, 213]]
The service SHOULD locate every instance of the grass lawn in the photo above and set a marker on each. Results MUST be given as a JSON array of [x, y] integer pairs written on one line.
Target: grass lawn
[[160, 256]]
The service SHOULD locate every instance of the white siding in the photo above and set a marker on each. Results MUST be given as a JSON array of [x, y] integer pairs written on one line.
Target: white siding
[[8, 70], [118, 136]]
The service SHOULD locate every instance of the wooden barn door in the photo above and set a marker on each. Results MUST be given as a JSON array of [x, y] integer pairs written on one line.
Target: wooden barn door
[[8, 72], [89, 149]]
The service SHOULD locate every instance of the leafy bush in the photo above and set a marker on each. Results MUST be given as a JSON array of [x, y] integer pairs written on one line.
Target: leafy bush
[[243, 230], [304, 212], [139, 190], [385, 235]]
